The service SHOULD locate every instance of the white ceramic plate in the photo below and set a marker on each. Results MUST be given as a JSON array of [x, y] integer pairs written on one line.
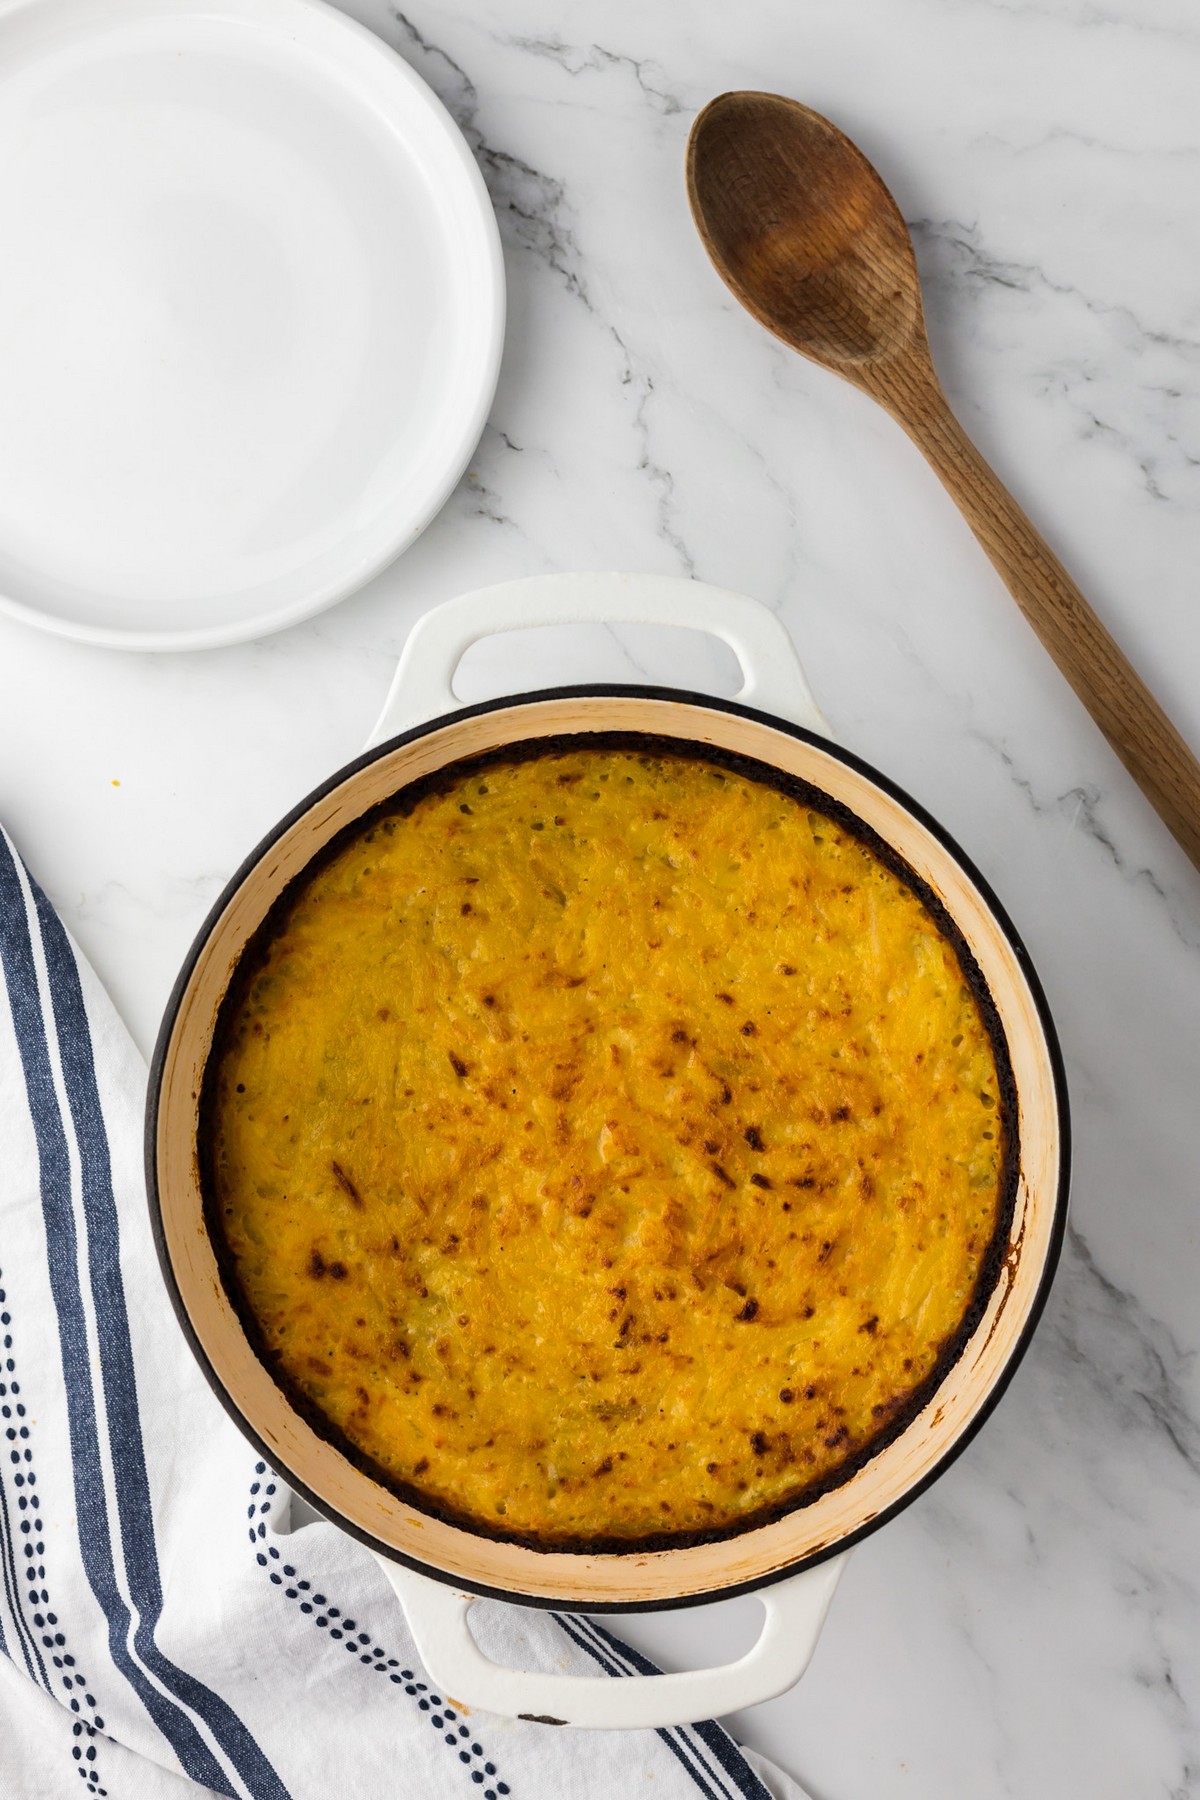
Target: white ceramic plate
[[251, 312]]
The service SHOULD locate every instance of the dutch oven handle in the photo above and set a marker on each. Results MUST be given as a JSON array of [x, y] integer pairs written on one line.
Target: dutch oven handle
[[423, 685], [437, 1616]]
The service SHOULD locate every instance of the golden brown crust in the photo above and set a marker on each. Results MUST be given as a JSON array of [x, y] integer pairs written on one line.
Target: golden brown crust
[[609, 1146]]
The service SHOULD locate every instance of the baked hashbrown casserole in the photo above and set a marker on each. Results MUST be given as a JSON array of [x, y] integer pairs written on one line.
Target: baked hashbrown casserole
[[608, 1143]]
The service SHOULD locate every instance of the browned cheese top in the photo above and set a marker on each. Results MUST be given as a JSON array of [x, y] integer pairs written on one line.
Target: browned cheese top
[[606, 1146]]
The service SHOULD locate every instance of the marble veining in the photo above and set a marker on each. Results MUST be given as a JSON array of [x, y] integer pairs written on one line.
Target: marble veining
[[1031, 1625]]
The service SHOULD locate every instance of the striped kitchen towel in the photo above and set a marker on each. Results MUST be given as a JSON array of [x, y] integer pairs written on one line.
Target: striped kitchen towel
[[161, 1622]]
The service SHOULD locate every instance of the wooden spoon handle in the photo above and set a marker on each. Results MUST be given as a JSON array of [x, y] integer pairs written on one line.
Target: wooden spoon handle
[[1124, 708]]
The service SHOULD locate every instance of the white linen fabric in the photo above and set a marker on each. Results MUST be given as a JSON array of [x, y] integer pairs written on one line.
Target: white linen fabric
[[161, 1624]]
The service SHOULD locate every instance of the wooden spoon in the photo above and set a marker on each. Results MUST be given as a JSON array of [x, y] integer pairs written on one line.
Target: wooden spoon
[[804, 232]]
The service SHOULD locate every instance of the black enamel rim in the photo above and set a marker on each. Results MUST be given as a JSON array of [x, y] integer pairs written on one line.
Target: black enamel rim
[[708, 703]]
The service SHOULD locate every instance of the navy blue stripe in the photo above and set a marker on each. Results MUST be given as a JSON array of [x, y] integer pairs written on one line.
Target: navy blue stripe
[[677, 1747], [720, 1745], [12, 1587], [116, 1364], [95, 1544], [714, 1737], [617, 1648], [675, 1742]]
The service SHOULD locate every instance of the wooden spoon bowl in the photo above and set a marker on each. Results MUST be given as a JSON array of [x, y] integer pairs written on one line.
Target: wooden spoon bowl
[[832, 270], [806, 235]]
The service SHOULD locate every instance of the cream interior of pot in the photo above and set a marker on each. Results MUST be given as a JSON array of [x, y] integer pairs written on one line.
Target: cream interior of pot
[[633, 1577]]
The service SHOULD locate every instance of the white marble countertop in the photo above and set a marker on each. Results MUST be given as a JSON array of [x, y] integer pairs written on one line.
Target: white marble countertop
[[1030, 1627]]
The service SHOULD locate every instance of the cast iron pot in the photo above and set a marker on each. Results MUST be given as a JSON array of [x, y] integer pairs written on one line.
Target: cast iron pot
[[439, 1568]]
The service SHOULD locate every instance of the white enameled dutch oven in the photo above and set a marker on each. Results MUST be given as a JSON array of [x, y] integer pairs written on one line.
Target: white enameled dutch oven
[[439, 1568]]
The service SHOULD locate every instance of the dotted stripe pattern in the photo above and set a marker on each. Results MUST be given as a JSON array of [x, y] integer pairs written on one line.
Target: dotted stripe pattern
[[87, 1722], [329, 1618]]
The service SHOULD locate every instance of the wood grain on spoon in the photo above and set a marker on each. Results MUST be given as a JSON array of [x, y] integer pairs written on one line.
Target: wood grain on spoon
[[809, 239]]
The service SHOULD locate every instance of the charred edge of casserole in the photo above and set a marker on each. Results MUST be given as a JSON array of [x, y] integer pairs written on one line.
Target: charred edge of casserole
[[401, 805]]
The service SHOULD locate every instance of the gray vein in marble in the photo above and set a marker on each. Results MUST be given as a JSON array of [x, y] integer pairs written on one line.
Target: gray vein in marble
[[1147, 1380], [1064, 134], [954, 260], [483, 502], [576, 60], [180, 896], [529, 201], [660, 478], [1096, 427], [1088, 17], [1161, 1681], [1099, 1351], [477, 492], [1080, 806], [970, 1633], [535, 205], [639, 668], [955, 254], [1150, 1589], [1102, 1350]]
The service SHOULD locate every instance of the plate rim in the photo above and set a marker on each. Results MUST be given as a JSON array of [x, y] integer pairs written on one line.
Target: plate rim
[[488, 305]]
